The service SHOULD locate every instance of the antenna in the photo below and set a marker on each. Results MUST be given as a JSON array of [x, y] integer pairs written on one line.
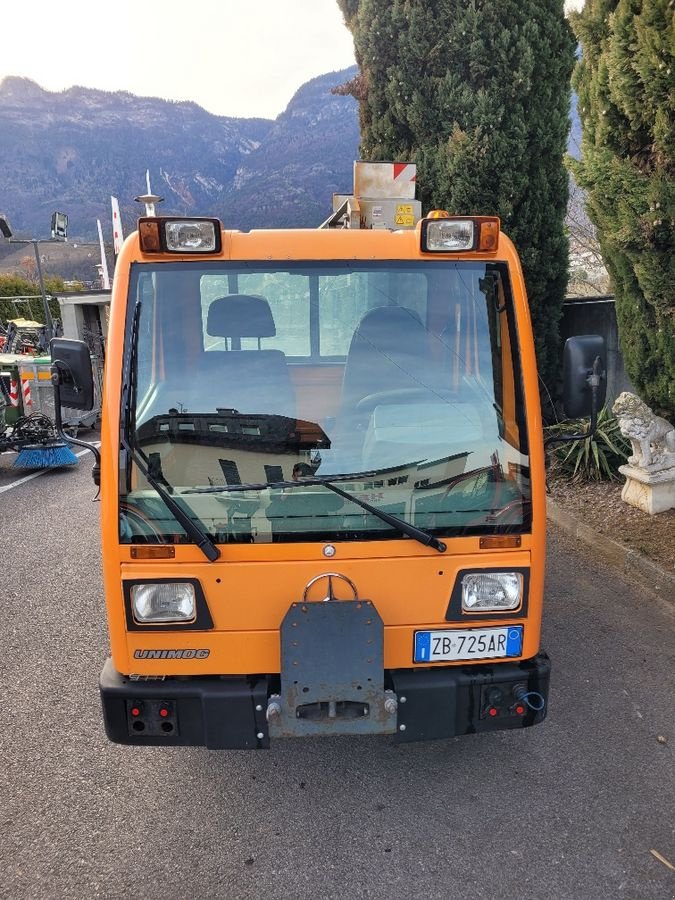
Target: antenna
[[149, 199]]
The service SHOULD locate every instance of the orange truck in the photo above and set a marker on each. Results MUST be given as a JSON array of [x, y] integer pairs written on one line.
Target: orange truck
[[322, 479]]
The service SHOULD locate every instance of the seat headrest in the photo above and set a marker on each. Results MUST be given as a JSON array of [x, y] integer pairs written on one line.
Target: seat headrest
[[387, 324], [240, 316]]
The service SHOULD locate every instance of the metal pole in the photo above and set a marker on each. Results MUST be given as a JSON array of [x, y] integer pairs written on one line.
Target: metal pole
[[49, 324]]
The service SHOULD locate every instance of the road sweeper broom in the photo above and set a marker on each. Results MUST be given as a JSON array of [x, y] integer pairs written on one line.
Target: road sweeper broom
[[35, 439]]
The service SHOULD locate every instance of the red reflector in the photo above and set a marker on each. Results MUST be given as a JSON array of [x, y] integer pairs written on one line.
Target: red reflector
[[520, 710], [135, 711], [493, 712], [164, 712]]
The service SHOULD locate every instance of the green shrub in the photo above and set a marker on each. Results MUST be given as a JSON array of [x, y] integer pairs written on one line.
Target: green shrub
[[594, 459]]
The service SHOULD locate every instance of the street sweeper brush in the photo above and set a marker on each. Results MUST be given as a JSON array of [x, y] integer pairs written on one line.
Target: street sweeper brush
[[35, 439]]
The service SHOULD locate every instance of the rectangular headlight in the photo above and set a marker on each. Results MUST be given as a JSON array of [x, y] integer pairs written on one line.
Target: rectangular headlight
[[448, 235], [164, 234], [163, 603], [190, 236], [491, 591]]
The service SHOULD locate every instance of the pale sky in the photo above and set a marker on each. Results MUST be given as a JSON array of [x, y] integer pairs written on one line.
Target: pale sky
[[233, 57]]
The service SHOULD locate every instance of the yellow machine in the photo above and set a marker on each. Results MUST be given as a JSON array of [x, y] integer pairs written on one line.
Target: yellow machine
[[322, 482]]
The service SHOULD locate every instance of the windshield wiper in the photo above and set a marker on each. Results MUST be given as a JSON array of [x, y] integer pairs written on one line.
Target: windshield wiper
[[193, 531], [330, 482], [400, 524]]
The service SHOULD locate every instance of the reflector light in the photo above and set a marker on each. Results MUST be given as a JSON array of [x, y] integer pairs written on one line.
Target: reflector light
[[148, 235], [489, 234], [135, 711], [151, 552], [500, 542], [164, 712], [493, 712]]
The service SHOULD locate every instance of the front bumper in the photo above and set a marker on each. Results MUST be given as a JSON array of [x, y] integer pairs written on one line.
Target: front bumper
[[230, 712]]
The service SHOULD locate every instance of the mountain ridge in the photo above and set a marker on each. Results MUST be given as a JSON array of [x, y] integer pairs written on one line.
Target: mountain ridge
[[69, 150]]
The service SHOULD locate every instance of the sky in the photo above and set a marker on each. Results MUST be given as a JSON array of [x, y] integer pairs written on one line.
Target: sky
[[233, 57]]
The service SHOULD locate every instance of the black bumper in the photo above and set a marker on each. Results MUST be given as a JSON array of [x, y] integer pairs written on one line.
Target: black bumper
[[230, 712]]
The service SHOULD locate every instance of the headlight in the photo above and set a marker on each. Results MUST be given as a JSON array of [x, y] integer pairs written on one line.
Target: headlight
[[164, 234], [191, 236], [492, 591], [163, 603], [441, 233], [449, 234]]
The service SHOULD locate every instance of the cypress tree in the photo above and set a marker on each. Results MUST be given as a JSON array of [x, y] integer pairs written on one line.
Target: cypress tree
[[625, 80], [477, 94]]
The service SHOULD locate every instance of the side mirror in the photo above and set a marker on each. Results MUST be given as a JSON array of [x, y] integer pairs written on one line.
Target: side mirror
[[71, 367], [584, 378]]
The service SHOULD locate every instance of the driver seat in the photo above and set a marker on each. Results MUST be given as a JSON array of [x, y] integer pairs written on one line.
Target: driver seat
[[389, 351]]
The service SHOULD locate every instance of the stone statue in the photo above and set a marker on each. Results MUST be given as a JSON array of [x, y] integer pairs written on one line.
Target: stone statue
[[650, 473], [651, 437]]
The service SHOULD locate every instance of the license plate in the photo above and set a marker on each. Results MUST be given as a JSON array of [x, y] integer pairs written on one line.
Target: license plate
[[471, 643]]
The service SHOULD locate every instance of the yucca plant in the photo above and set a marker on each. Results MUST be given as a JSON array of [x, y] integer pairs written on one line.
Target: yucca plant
[[591, 459]]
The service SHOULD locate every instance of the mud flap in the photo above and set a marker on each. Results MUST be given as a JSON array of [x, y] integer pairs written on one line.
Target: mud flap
[[332, 672]]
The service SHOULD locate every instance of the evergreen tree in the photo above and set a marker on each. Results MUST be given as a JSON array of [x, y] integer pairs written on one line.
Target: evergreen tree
[[477, 94], [625, 80]]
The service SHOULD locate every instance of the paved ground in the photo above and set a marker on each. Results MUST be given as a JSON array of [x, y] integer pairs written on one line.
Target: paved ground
[[567, 810]]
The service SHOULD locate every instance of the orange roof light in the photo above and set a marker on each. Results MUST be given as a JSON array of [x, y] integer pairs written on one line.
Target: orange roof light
[[148, 234], [489, 234]]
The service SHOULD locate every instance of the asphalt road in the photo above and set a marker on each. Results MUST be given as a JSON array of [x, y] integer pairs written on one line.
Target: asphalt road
[[570, 809]]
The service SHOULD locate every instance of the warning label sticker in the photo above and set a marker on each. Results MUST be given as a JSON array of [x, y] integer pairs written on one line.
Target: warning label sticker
[[404, 215]]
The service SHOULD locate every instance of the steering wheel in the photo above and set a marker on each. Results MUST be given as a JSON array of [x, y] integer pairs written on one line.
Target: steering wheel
[[140, 525], [403, 396]]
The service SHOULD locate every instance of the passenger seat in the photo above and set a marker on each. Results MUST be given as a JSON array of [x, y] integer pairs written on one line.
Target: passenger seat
[[252, 381]]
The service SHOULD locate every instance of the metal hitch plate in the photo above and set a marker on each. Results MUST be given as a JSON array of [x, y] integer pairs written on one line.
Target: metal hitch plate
[[332, 672]]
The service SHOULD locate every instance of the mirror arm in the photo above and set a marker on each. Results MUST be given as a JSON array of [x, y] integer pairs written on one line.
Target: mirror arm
[[593, 381], [58, 422]]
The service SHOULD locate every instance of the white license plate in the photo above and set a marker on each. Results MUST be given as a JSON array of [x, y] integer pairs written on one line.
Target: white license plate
[[470, 643]]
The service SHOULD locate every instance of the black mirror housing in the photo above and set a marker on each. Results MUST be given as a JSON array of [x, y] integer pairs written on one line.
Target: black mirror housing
[[579, 368], [71, 362]]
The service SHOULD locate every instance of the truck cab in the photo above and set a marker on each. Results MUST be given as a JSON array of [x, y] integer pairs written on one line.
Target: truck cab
[[322, 485]]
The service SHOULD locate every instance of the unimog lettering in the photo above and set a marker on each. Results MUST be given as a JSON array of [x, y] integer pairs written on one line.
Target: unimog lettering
[[171, 654]]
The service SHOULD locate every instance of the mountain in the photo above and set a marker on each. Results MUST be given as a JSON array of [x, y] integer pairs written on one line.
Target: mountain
[[69, 151]]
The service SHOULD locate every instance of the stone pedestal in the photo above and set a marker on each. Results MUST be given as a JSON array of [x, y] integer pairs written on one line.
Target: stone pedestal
[[652, 492]]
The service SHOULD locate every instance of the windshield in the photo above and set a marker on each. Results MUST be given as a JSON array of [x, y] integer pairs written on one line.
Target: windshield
[[403, 376]]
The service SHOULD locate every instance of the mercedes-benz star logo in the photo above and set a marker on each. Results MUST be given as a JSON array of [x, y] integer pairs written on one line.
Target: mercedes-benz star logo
[[336, 586]]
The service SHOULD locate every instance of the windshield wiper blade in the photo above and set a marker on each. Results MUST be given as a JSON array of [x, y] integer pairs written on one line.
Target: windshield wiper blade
[[330, 482], [400, 524], [264, 485], [193, 531]]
